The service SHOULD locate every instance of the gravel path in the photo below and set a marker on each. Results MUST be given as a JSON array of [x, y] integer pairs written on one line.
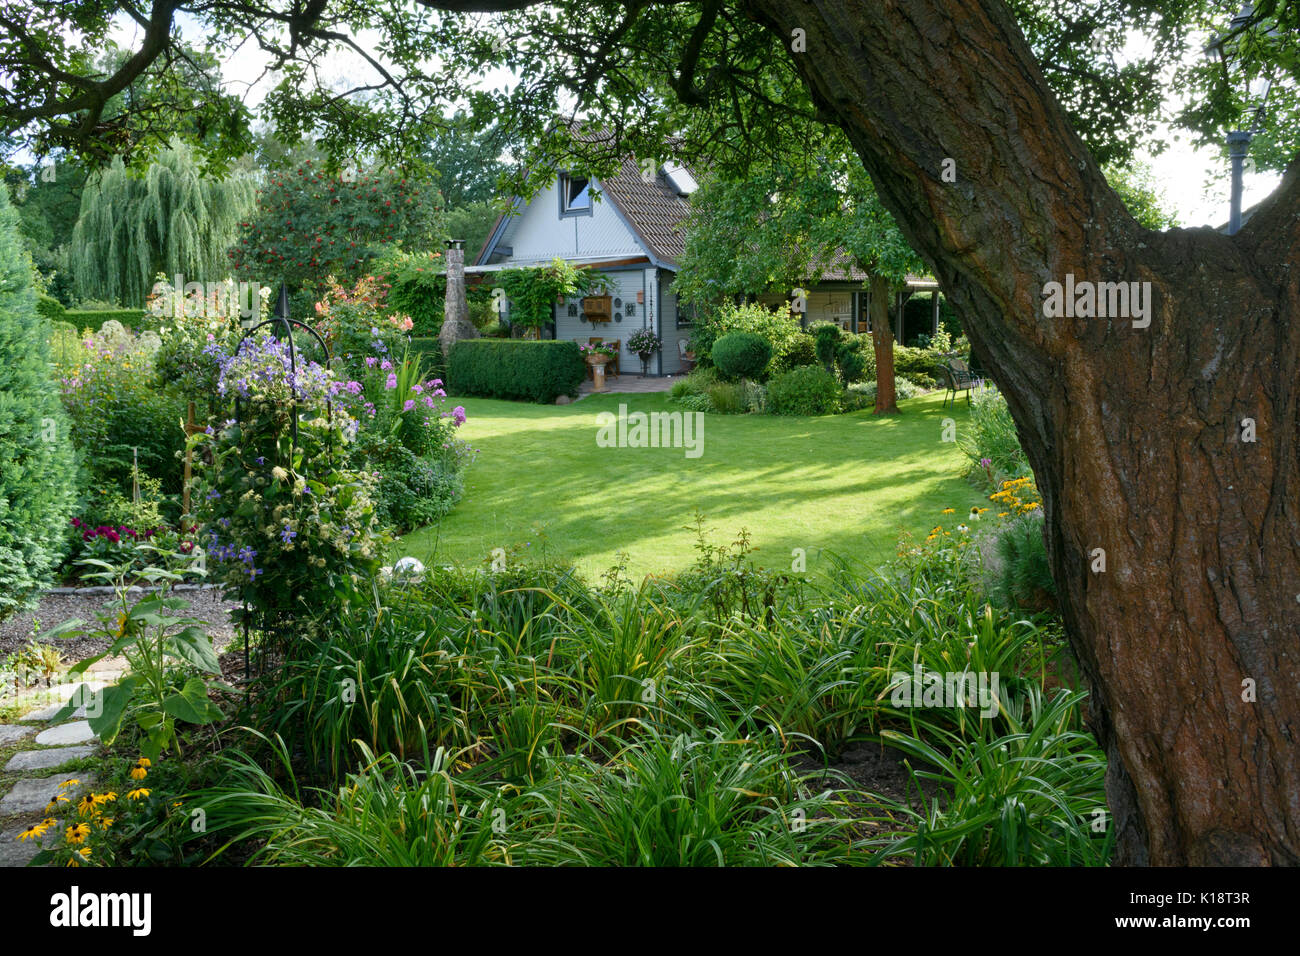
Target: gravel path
[[16, 630]]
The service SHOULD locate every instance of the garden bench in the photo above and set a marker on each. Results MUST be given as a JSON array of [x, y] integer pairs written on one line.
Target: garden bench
[[957, 377], [686, 355]]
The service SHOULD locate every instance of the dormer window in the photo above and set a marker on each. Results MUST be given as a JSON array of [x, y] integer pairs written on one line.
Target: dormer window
[[575, 195]]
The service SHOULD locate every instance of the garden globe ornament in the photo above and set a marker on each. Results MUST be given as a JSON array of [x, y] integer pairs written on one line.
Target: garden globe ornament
[[408, 569]]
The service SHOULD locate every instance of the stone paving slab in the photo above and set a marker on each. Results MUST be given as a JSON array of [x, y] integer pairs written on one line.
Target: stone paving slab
[[14, 853], [77, 732], [66, 693], [32, 796], [45, 759], [47, 713], [11, 732]]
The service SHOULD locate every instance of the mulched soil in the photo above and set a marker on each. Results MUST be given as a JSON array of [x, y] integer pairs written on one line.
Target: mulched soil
[[16, 630]]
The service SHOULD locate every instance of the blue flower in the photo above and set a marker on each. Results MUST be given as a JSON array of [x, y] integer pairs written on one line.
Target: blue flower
[[287, 535], [213, 494]]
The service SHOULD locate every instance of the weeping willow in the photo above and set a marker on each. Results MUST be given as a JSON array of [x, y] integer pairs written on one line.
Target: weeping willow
[[170, 219]]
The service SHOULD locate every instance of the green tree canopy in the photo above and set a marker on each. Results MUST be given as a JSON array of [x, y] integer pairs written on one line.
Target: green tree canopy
[[170, 219]]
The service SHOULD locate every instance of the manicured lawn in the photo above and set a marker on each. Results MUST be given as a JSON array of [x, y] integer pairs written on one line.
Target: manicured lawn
[[840, 483]]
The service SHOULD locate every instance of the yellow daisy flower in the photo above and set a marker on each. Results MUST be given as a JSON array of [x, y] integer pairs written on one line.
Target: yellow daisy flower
[[947, 511], [78, 832], [139, 773], [34, 831], [137, 793]]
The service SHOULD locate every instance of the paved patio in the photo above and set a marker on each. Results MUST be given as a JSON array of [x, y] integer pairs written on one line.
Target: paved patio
[[627, 384]]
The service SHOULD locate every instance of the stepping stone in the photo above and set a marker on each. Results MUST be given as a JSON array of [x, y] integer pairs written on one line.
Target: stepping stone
[[47, 713], [11, 732], [13, 853], [32, 796], [77, 732], [45, 759]]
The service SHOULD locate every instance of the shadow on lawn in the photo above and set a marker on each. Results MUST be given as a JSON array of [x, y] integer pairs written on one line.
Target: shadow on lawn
[[580, 493]]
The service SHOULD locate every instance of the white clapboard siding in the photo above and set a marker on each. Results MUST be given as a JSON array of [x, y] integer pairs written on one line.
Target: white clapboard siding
[[539, 234]]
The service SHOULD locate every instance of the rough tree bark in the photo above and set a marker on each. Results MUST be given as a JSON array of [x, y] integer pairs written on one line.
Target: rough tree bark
[[1135, 434], [882, 343]]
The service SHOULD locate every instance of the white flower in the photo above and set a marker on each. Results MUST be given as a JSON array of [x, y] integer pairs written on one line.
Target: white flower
[[279, 474]]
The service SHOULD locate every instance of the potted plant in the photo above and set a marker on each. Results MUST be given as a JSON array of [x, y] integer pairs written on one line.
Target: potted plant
[[597, 353], [645, 344]]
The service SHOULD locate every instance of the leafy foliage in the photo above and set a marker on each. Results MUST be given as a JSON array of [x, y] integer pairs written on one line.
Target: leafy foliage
[[170, 219], [810, 390], [37, 477], [532, 291], [310, 223], [740, 355], [511, 368]]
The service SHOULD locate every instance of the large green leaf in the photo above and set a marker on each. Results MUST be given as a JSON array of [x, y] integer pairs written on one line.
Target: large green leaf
[[192, 704], [194, 646], [111, 704]]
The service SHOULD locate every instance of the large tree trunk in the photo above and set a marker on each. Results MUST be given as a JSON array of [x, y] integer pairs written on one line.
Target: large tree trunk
[[1135, 434], [882, 343]]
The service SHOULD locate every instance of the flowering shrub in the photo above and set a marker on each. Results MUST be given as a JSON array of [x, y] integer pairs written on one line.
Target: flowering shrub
[[286, 529], [118, 544], [118, 415], [598, 348], [194, 326], [356, 322]]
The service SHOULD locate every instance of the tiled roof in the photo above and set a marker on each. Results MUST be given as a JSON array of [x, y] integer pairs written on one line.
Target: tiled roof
[[654, 209]]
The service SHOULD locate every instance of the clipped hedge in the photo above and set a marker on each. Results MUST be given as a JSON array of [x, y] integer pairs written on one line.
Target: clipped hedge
[[741, 355], [94, 320], [515, 368]]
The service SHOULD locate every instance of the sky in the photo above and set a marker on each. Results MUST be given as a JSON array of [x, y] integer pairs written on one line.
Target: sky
[[1194, 182]]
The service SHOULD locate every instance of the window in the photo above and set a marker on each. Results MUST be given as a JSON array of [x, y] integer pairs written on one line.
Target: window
[[685, 315], [575, 195]]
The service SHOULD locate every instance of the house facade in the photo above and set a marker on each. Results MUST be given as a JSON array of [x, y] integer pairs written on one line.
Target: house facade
[[629, 228]]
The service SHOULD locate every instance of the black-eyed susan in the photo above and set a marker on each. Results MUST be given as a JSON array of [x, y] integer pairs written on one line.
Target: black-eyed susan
[[139, 773], [87, 805], [35, 830], [947, 511], [139, 793], [105, 797], [66, 784], [78, 832], [144, 762]]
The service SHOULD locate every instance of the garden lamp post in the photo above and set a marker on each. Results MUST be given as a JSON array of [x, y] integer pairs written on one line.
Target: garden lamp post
[[1219, 51]]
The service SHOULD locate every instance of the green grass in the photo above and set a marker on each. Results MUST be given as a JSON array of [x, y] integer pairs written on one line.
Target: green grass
[[846, 484]]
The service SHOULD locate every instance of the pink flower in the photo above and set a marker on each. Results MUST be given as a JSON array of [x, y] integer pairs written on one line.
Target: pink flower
[[458, 413], [370, 361], [385, 365], [410, 404], [392, 380]]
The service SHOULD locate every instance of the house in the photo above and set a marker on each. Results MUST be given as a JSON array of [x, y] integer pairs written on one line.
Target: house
[[632, 234]]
